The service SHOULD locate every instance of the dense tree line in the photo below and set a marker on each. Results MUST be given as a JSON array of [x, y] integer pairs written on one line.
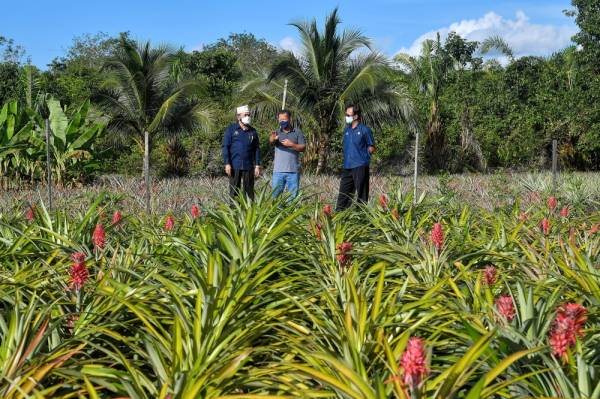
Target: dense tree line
[[474, 112]]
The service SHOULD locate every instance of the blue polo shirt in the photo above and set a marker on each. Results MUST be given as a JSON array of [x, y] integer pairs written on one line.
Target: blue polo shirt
[[356, 143], [241, 148]]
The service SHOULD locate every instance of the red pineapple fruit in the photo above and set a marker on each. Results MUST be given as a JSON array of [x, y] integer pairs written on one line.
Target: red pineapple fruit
[[552, 203], [414, 362], [169, 223], [195, 211], [78, 271], [506, 307], [99, 236], [437, 235]]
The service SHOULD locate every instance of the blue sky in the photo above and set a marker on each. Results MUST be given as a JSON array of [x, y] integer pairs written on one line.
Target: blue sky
[[46, 28]]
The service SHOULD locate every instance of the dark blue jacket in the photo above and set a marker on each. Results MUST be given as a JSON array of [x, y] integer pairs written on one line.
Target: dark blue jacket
[[356, 144], [241, 148]]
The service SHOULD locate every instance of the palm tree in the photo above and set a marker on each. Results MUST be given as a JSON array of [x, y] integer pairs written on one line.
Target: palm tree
[[144, 100], [427, 73], [498, 44], [332, 70]]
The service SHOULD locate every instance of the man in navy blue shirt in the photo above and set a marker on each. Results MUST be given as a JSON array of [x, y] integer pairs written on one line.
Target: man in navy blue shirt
[[241, 154], [359, 144]]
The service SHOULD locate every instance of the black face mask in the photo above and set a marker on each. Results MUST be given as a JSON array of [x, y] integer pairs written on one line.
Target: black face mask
[[284, 124]]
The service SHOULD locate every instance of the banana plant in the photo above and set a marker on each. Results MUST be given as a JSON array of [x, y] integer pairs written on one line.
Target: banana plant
[[72, 139], [16, 156], [23, 146]]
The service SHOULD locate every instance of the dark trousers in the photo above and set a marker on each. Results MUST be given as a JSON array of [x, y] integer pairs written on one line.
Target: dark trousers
[[353, 181], [241, 178]]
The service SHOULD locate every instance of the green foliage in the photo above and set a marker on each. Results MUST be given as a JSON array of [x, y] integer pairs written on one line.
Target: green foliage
[[73, 78], [10, 88], [253, 55], [218, 66], [327, 76], [587, 17], [23, 145], [252, 300], [477, 105], [143, 100]]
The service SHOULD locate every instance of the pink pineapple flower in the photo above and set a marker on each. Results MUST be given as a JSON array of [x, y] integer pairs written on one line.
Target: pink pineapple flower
[[318, 229], [78, 272], [552, 203], [414, 362], [567, 326], [169, 223], [564, 212], [506, 307], [195, 211], [343, 257], [489, 275], [437, 236], [99, 236], [383, 201], [546, 226], [116, 217], [327, 210], [30, 215]]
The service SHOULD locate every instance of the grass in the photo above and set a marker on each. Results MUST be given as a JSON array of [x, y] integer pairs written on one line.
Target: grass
[[177, 195]]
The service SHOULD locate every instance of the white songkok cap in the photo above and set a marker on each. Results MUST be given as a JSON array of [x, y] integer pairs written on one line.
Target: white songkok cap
[[243, 109]]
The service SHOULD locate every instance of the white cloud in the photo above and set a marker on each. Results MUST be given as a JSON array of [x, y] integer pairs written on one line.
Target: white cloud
[[198, 47], [290, 44], [524, 37]]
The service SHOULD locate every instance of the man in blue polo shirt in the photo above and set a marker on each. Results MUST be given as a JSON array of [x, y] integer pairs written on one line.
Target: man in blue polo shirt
[[241, 154], [289, 142], [359, 144]]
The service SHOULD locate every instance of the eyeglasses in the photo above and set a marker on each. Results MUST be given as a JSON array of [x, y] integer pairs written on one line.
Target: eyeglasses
[[350, 116]]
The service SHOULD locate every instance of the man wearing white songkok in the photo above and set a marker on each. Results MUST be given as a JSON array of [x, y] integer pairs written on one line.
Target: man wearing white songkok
[[241, 154]]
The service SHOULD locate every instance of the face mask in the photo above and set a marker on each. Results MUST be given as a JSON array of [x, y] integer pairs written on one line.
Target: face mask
[[246, 120], [349, 119], [284, 124]]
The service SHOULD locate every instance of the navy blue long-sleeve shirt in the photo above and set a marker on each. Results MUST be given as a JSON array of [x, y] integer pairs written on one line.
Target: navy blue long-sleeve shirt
[[241, 147], [356, 146]]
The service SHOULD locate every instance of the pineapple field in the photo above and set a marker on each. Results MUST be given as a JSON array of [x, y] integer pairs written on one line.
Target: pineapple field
[[482, 287]]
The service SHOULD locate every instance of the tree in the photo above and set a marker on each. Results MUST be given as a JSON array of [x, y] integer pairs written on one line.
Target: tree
[[73, 78], [465, 67], [143, 100], [10, 70], [12, 52], [252, 54], [587, 17], [10, 88], [450, 68], [498, 44], [330, 73], [427, 73], [218, 67]]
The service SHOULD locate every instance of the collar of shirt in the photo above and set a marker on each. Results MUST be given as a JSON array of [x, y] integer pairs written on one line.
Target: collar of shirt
[[349, 127], [284, 132], [238, 128]]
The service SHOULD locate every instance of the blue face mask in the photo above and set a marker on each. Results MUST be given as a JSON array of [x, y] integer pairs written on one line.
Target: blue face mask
[[284, 124]]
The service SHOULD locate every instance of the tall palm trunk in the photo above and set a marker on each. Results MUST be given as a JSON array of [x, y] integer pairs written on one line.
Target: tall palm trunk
[[469, 144], [435, 138], [48, 163], [147, 169], [323, 147]]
